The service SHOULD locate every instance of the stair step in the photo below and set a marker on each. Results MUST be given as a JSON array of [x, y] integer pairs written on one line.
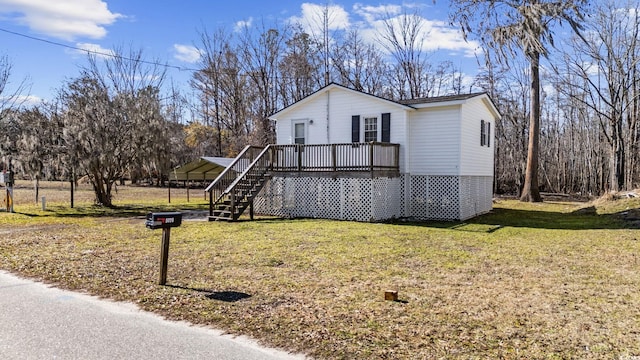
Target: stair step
[[226, 213], [243, 192], [219, 218]]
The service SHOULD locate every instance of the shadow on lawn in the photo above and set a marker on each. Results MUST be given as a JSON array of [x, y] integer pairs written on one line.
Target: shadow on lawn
[[226, 296], [119, 211], [582, 219]]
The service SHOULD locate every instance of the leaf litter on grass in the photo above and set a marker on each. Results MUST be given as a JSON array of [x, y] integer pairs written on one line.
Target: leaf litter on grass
[[540, 288]]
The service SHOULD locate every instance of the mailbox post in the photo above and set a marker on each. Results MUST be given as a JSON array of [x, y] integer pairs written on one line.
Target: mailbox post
[[164, 221]]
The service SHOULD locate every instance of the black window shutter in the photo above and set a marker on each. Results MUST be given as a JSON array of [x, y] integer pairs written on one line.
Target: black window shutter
[[482, 133], [386, 127], [355, 128], [489, 134]]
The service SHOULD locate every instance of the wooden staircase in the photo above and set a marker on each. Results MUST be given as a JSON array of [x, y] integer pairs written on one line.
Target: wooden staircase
[[249, 173]]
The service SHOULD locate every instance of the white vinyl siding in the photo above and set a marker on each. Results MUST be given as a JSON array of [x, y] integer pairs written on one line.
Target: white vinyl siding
[[342, 105], [314, 111], [434, 135], [476, 160]]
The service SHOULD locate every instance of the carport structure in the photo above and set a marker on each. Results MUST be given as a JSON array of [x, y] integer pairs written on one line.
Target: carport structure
[[206, 169]]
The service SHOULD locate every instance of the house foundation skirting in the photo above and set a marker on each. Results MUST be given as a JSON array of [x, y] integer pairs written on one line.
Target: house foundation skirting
[[422, 197]]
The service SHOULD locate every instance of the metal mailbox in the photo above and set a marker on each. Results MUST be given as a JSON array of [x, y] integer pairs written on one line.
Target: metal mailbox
[[6, 178], [163, 220]]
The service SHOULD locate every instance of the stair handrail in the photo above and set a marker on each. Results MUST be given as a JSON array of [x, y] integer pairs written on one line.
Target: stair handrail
[[230, 167], [246, 171]]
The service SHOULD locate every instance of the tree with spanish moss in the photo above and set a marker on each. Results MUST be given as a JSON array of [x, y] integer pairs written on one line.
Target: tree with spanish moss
[[511, 28], [112, 120]]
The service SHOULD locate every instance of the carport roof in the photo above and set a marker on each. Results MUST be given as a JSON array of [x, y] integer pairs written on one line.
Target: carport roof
[[206, 168]]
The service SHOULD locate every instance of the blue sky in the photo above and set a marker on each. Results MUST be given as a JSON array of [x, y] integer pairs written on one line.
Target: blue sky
[[168, 30]]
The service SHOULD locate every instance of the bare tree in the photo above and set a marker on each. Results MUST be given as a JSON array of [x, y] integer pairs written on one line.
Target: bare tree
[[358, 64], [261, 53], [10, 102], [223, 91], [207, 82], [403, 37], [527, 26], [299, 74], [606, 67]]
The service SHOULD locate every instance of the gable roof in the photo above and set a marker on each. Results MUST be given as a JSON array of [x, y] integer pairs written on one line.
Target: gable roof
[[408, 104], [453, 100], [436, 99], [329, 87]]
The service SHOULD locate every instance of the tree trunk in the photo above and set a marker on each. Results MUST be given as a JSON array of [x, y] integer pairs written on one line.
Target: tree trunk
[[617, 170], [36, 187], [102, 190], [530, 192]]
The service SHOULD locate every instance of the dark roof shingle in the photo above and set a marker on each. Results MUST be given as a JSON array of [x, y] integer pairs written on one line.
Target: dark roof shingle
[[439, 99]]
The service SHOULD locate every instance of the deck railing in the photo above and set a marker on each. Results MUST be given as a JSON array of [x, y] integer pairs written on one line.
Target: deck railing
[[234, 189], [230, 174], [372, 156]]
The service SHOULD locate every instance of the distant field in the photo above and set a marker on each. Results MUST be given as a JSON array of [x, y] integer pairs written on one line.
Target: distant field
[[59, 193], [527, 281]]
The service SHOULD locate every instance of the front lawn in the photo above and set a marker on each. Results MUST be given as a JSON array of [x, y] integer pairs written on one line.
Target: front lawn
[[552, 280]]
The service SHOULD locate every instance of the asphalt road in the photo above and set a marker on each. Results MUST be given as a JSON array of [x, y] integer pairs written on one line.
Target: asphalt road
[[41, 322]]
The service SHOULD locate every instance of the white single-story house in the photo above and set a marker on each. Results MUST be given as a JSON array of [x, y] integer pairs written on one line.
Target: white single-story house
[[345, 154]]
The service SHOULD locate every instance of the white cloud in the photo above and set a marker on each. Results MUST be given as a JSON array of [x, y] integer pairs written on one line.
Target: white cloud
[[373, 13], [186, 53], [242, 24], [29, 100], [312, 18], [63, 19], [437, 35], [21, 101], [94, 49]]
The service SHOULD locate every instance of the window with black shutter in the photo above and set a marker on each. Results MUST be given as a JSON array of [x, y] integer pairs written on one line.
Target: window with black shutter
[[483, 133], [386, 127], [355, 128]]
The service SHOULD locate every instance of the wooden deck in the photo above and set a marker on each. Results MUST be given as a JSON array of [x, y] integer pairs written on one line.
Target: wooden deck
[[235, 187], [352, 157]]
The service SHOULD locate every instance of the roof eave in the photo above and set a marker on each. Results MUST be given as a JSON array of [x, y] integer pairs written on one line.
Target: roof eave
[[329, 87], [485, 98]]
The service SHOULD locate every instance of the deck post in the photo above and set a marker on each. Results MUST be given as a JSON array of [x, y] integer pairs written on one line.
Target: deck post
[[211, 202], [333, 157], [299, 157], [233, 205], [371, 157]]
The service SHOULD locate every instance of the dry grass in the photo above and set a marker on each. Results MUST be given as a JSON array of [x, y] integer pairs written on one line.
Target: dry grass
[[526, 281]]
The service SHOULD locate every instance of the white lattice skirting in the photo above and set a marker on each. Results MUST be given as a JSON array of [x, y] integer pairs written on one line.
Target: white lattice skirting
[[375, 199]]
